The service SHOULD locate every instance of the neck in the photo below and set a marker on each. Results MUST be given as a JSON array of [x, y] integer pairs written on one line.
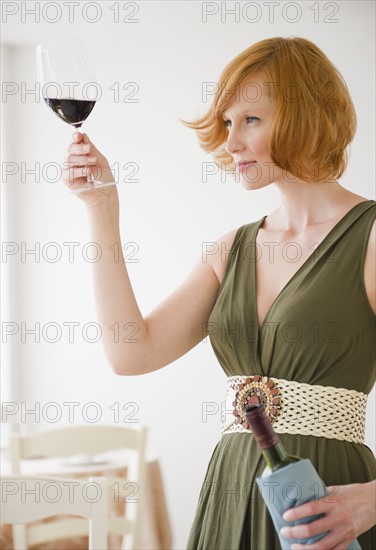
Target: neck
[[305, 204]]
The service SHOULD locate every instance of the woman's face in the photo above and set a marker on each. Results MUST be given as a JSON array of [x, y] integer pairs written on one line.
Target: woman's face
[[249, 120]]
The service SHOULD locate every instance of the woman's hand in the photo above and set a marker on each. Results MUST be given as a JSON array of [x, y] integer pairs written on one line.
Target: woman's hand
[[83, 159], [349, 511]]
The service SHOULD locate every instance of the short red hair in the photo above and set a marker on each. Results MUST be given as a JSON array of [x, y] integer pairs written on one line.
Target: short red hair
[[312, 126]]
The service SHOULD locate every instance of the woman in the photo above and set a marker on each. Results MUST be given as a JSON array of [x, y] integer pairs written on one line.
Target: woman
[[304, 312]]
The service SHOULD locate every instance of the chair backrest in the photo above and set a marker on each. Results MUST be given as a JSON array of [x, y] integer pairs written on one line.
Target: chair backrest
[[92, 440], [25, 499]]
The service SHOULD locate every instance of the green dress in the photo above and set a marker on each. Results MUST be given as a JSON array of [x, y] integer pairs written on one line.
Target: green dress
[[332, 344]]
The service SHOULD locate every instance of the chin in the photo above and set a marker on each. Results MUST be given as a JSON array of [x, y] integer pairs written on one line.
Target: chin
[[253, 185]]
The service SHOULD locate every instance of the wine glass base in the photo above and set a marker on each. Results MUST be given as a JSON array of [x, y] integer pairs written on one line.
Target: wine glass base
[[92, 187]]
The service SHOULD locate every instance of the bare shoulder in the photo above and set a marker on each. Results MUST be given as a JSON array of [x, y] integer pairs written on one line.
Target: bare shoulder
[[370, 268], [222, 247]]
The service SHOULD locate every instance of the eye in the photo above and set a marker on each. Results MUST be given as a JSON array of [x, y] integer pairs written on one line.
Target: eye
[[227, 123]]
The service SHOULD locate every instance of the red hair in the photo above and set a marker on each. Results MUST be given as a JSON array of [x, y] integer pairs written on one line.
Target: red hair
[[310, 130]]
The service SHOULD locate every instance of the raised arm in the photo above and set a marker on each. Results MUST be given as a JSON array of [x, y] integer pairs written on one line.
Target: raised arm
[[177, 324]]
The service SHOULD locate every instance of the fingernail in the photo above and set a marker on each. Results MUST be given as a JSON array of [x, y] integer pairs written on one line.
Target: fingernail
[[287, 516], [86, 148], [284, 531]]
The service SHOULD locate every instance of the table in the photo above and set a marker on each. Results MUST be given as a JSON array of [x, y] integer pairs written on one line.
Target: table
[[156, 528]]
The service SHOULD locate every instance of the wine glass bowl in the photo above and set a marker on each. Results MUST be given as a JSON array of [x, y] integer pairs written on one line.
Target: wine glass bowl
[[72, 111], [69, 86]]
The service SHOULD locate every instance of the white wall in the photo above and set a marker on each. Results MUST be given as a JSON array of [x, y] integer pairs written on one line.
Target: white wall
[[169, 212]]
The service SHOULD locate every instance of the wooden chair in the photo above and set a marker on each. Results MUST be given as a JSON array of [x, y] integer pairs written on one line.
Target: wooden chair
[[94, 440], [25, 499]]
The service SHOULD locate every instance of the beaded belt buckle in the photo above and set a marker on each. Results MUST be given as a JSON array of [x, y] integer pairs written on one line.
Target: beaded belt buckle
[[256, 390], [296, 408]]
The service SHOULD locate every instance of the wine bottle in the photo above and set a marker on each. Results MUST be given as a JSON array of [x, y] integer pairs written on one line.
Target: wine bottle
[[305, 476], [274, 452]]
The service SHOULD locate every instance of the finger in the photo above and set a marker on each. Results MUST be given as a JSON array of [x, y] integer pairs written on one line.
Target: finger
[[329, 542], [305, 510], [77, 137], [307, 530], [78, 160], [73, 174], [79, 148], [87, 141], [343, 544]]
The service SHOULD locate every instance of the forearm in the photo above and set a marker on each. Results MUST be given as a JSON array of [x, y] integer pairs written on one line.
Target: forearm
[[371, 491], [124, 330]]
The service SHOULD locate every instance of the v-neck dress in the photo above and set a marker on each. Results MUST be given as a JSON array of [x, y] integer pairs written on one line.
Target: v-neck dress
[[319, 330]]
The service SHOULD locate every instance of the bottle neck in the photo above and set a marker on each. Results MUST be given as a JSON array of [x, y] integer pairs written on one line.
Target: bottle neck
[[275, 455], [267, 440], [262, 429]]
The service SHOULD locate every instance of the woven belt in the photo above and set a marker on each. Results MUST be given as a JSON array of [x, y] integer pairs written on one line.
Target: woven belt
[[296, 408]]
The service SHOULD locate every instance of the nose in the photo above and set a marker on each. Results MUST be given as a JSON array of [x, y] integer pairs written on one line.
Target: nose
[[234, 143]]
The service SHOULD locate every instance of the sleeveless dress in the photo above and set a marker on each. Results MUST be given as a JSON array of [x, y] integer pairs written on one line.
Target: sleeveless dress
[[319, 330]]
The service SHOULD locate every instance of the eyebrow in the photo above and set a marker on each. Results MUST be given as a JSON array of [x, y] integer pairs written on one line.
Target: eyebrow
[[256, 109]]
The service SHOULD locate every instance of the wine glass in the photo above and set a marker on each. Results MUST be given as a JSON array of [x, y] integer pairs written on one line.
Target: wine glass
[[69, 86]]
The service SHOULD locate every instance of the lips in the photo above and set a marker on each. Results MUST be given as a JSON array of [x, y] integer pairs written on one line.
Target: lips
[[244, 164]]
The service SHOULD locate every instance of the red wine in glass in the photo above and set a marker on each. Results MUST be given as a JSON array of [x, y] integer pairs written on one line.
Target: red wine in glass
[[69, 86], [72, 111]]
